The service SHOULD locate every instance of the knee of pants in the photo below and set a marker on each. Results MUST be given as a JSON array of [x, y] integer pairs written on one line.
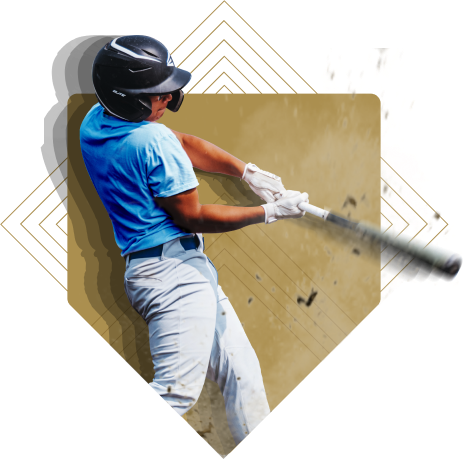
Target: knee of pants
[[180, 398]]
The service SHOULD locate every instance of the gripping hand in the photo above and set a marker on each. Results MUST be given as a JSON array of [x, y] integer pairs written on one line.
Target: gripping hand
[[285, 207], [264, 184]]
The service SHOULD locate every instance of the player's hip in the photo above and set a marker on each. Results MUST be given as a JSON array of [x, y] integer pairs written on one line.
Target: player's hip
[[155, 284]]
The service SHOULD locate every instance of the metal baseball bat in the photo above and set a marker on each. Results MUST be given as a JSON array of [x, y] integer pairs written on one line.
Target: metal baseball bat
[[447, 263]]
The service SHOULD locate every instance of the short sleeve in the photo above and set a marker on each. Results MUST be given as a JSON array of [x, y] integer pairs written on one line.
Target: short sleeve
[[169, 169]]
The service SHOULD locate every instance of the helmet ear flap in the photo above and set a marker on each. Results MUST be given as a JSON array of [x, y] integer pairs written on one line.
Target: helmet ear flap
[[143, 104], [176, 101], [145, 101]]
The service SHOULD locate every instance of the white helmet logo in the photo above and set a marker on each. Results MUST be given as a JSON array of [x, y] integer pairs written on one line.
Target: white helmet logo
[[170, 62], [131, 53]]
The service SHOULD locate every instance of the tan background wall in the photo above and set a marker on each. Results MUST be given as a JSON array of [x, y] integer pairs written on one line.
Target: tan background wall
[[327, 145]]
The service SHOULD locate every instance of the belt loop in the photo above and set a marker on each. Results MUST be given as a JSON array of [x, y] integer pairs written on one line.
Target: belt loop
[[127, 261], [201, 245]]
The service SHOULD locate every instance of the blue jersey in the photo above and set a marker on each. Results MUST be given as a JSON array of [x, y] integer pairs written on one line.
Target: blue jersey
[[130, 164]]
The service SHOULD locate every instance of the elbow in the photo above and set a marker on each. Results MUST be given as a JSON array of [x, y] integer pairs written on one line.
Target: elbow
[[189, 225]]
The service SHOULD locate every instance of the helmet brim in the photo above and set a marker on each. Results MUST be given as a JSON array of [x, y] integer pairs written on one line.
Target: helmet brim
[[177, 80]]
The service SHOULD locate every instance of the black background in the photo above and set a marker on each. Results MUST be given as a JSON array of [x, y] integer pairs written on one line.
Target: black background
[[398, 365]]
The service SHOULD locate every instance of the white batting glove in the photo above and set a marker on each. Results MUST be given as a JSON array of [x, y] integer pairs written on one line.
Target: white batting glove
[[264, 184], [285, 207]]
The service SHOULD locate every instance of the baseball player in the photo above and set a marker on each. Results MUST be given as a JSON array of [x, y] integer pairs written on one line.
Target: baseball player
[[143, 173]]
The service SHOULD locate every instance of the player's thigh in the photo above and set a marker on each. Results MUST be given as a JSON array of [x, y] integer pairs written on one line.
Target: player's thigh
[[231, 345], [179, 305], [229, 329]]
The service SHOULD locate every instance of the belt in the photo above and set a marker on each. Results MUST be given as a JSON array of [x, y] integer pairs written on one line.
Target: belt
[[188, 243]]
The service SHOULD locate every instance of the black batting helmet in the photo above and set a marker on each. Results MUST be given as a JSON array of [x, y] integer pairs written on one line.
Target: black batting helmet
[[129, 69]]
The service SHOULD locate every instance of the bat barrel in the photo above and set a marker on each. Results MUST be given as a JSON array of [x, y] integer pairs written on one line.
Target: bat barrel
[[412, 258], [447, 263], [452, 265]]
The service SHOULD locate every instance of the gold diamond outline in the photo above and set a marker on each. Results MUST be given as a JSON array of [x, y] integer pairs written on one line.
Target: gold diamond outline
[[249, 47], [24, 226], [233, 65], [232, 80], [40, 225], [391, 224], [244, 60], [226, 87], [57, 224], [18, 206], [426, 224]]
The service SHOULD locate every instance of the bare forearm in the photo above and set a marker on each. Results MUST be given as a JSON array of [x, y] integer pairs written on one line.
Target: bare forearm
[[210, 158], [213, 218]]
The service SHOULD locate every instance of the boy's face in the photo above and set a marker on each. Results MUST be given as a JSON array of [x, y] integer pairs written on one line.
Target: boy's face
[[158, 106]]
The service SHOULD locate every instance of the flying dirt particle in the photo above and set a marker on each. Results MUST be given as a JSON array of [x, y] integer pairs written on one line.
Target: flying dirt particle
[[311, 298], [294, 319], [349, 200], [386, 115], [223, 313], [385, 188], [250, 299], [258, 278], [356, 251], [273, 289], [437, 216], [327, 251], [169, 389], [363, 197], [301, 300], [353, 95], [290, 326], [335, 282], [238, 378], [332, 75], [345, 122]]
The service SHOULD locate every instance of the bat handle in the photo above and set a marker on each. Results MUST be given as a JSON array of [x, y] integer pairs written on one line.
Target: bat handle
[[308, 207], [313, 210]]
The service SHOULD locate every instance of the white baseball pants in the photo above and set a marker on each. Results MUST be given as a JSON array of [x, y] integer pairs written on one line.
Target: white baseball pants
[[195, 333]]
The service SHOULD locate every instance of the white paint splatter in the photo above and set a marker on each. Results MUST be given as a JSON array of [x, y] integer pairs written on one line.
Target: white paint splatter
[[385, 72]]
